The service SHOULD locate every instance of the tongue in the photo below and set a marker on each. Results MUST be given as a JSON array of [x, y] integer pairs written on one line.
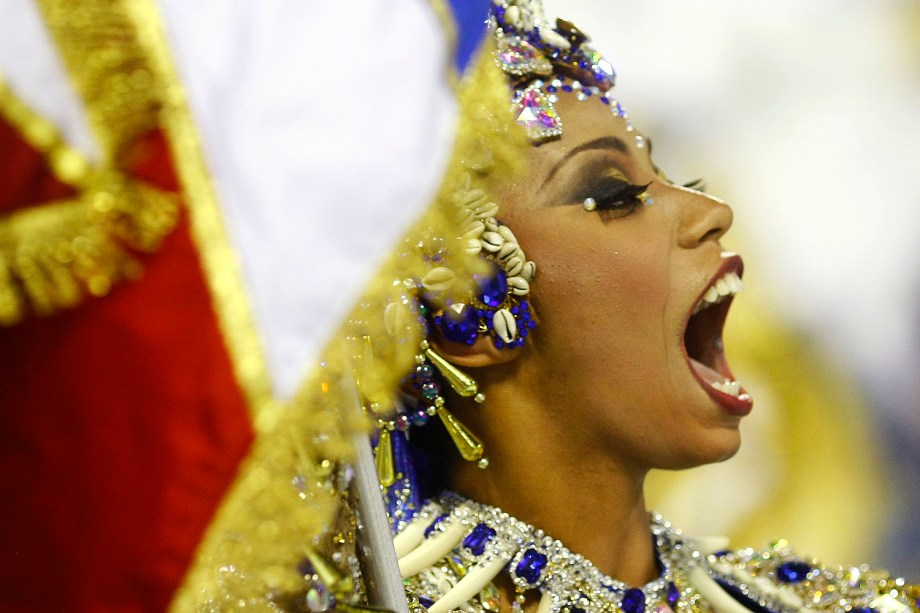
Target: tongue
[[706, 373]]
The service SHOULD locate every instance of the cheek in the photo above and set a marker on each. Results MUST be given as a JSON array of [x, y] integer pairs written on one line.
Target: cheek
[[617, 284]]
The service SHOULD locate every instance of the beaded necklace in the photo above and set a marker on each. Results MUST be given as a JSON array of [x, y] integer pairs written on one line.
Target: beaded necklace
[[453, 548], [482, 540]]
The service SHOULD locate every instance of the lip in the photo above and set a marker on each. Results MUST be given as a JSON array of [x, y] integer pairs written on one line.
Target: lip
[[743, 403]]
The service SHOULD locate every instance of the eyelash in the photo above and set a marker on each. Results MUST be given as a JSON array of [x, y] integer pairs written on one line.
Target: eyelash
[[617, 195]]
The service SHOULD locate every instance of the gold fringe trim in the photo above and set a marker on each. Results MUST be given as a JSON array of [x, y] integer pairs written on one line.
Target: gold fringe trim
[[55, 254]]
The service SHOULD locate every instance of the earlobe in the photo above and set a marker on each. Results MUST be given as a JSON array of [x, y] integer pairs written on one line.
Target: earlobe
[[481, 353]]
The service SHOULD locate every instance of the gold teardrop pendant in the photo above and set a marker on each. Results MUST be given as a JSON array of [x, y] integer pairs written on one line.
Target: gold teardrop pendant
[[384, 459], [461, 382], [467, 443]]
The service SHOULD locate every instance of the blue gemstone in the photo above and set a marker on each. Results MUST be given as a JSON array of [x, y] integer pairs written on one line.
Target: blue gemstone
[[419, 418], [551, 89], [605, 99], [792, 572], [673, 595], [477, 540], [862, 610], [434, 524], [531, 565], [425, 602], [493, 289], [633, 601], [460, 324], [566, 88]]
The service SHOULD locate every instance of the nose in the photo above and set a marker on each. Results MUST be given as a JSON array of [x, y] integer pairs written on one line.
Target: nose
[[702, 218]]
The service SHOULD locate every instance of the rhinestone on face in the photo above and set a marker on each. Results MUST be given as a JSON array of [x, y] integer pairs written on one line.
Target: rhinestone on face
[[536, 113]]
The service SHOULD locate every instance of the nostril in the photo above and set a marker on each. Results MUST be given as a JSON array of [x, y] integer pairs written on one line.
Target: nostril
[[713, 234]]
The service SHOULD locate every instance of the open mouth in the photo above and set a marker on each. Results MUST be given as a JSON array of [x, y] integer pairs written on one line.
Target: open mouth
[[703, 338]]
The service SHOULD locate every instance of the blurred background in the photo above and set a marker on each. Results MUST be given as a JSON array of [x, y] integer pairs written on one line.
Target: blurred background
[[806, 118]]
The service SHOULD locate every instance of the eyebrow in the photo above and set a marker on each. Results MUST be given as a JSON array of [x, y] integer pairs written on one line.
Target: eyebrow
[[605, 142]]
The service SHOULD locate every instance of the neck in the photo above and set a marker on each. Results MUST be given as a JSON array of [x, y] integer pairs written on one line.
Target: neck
[[584, 498]]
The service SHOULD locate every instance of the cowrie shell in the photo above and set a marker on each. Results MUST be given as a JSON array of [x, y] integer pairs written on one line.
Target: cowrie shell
[[507, 234], [473, 229], [473, 246], [504, 325], [518, 286], [553, 38], [486, 209], [491, 224], [438, 279], [471, 197], [513, 16], [507, 250], [529, 271], [514, 265], [395, 318], [492, 241]]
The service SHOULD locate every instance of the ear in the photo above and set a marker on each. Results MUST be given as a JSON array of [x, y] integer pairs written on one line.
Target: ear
[[481, 353]]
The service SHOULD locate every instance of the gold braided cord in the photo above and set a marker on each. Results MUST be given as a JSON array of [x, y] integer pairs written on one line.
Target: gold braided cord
[[287, 498], [55, 254]]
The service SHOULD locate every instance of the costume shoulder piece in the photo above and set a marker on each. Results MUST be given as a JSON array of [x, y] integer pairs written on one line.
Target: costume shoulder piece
[[776, 578], [454, 548]]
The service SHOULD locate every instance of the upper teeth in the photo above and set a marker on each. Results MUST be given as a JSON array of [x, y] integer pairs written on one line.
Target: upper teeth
[[727, 285]]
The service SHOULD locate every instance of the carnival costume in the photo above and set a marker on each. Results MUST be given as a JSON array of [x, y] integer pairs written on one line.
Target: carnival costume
[[450, 549], [461, 272]]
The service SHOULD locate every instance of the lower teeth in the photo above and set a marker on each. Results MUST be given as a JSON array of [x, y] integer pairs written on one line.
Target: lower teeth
[[732, 388]]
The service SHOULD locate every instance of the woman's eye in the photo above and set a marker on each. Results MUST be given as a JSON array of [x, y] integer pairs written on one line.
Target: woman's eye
[[614, 197]]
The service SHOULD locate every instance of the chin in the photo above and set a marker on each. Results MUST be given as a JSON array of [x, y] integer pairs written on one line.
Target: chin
[[716, 447]]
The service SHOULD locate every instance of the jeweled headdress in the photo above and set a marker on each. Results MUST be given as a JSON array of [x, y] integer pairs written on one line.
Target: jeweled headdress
[[540, 59]]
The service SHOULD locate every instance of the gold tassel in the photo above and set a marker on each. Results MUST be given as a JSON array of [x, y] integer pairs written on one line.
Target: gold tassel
[[330, 576], [469, 446], [461, 382], [384, 459]]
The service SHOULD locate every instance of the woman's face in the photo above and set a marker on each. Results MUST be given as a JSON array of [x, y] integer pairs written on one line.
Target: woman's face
[[614, 292]]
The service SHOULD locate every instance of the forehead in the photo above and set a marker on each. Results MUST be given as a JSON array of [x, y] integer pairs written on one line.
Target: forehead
[[586, 121]]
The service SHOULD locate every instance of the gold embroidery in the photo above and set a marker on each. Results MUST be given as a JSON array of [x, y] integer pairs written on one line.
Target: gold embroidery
[[52, 255]]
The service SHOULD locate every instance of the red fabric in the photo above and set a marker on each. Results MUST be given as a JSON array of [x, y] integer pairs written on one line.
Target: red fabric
[[24, 176], [121, 427]]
